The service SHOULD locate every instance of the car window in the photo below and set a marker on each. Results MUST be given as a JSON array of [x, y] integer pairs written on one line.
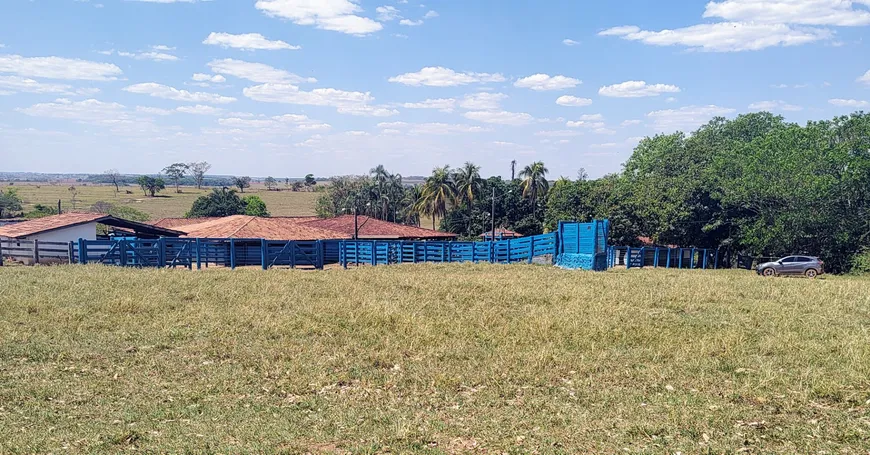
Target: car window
[[804, 259], [788, 260]]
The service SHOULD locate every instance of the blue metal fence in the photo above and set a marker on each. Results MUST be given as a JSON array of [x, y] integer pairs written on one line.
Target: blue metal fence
[[678, 258], [384, 252]]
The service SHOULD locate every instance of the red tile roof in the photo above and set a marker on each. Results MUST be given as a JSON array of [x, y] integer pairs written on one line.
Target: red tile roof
[[49, 223], [171, 223], [503, 233], [299, 228], [252, 227], [370, 228]]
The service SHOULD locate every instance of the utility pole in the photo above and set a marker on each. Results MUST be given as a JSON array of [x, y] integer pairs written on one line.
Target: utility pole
[[493, 215], [355, 222]]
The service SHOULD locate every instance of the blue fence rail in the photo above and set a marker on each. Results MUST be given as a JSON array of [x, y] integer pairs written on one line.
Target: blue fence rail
[[385, 252], [677, 258], [199, 253]]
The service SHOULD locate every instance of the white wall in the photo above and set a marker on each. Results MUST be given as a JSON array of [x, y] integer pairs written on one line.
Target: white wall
[[70, 234]]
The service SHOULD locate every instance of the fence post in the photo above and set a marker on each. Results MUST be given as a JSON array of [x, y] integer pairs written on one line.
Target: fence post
[[716, 261], [342, 254], [705, 259], [198, 256], [83, 251], [35, 251], [531, 249], [264, 254], [628, 258], [232, 254], [656, 265], [320, 255], [1, 252], [692, 259], [425, 252]]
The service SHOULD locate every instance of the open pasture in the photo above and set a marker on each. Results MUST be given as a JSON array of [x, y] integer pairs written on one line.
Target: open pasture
[[431, 359], [167, 204]]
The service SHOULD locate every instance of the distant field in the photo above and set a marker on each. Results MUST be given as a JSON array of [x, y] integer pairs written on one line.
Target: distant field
[[431, 359], [167, 204]]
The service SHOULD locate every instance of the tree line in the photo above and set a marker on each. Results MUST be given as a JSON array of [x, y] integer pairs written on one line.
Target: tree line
[[754, 185]]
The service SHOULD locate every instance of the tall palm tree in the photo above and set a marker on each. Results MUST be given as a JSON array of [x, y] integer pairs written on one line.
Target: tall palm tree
[[438, 192], [513, 170], [381, 177], [535, 183], [468, 186]]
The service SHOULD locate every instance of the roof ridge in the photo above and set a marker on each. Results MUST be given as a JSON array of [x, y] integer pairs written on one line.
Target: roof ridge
[[251, 218]]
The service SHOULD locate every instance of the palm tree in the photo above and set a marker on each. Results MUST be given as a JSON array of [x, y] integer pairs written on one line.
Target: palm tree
[[438, 192], [468, 183], [381, 177], [513, 170], [535, 183]]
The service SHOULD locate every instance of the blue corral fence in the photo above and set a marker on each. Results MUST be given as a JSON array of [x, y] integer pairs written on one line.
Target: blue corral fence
[[583, 245], [677, 258], [199, 253], [383, 252]]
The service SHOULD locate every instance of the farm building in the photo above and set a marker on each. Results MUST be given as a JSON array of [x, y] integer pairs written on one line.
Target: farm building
[[501, 234], [69, 227], [298, 228]]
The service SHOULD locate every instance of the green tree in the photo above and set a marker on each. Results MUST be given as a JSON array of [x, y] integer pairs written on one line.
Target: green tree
[[271, 183], [176, 172], [40, 211], [220, 202], [151, 185], [535, 184], [9, 202], [241, 183], [438, 192], [468, 184], [310, 181], [254, 206]]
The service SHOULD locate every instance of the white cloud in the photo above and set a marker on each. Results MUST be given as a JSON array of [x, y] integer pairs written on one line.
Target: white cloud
[[500, 117], [387, 13], [631, 123], [335, 15], [279, 124], [592, 117], [256, 72], [573, 101], [352, 103], [159, 53], [153, 110], [559, 133], [410, 23], [87, 111], [591, 124], [431, 14], [444, 77], [542, 82], [428, 128], [16, 84], [442, 104], [865, 78], [636, 89], [58, 68], [849, 103], [724, 36], [170, 93], [200, 109], [686, 118], [570, 42], [777, 105], [802, 12], [217, 78], [483, 101], [247, 41]]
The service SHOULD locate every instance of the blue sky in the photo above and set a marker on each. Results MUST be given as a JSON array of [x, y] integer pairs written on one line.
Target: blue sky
[[290, 87]]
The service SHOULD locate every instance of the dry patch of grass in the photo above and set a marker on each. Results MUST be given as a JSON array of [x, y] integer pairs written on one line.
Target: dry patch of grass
[[168, 204], [431, 359]]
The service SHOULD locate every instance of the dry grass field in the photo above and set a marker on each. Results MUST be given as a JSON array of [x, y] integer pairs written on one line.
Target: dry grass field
[[167, 204], [431, 359]]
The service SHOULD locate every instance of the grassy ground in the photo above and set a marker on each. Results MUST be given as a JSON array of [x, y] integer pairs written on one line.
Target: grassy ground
[[167, 204], [432, 359]]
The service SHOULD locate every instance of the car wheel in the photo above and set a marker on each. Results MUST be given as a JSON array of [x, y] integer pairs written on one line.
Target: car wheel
[[768, 272], [811, 273]]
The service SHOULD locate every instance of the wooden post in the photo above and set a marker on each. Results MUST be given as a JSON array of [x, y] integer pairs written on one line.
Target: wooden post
[[628, 258], [122, 252], [83, 251], [656, 265], [692, 259], [716, 261], [264, 254], [668, 261], [1, 252], [705, 259], [232, 254], [680, 264], [444, 252], [198, 255], [35, 251]]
